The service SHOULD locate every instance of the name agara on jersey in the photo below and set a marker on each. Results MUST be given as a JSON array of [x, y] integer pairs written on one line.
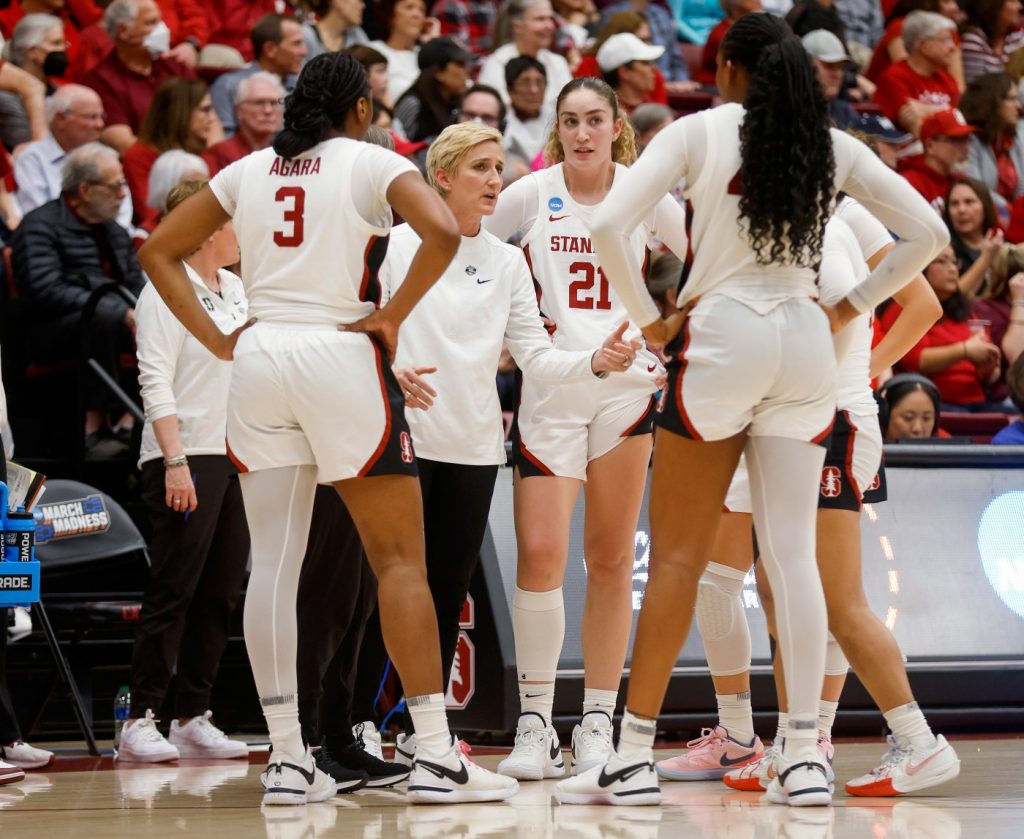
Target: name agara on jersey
[[286, 168]]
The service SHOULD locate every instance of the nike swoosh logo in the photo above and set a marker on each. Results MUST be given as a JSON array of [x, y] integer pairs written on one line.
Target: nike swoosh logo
[[460, 777], [554, 749], [481, 282], [557, 218], [533, 695], [309, 776], [651, 368], [913, 770], [733, 762], [605, 780]]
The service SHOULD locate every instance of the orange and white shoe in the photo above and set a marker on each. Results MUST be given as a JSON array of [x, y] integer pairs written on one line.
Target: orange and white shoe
[[755, 776], [906, 768]]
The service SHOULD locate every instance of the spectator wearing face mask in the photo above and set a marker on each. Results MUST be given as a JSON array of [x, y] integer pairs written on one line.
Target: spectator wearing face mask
[[945, 137], [129, 76], [38, 47]]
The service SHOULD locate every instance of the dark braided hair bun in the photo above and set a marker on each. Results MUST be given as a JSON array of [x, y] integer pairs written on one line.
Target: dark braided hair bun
[[328, 88], [788, 168]]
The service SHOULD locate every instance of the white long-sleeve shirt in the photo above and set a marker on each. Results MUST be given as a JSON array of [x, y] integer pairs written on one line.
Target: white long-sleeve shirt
[[484, 297], [178, 375], [704, 149]]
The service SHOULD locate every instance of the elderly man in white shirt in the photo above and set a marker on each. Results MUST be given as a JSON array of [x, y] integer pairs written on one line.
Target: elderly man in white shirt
[[76, 117]]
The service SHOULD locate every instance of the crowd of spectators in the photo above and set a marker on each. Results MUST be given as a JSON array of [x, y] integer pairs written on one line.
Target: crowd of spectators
[[179, 89]]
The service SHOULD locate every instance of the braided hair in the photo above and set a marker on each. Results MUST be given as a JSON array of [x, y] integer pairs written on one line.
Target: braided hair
[[328, 88], [788, 167]]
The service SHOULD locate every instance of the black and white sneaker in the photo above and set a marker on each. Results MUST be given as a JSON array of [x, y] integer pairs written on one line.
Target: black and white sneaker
[[368, 738], [800, 783], [347, 778], [287, 780], [622, 782], [456, 780], [405, 749], [379, 773], [536, 754]]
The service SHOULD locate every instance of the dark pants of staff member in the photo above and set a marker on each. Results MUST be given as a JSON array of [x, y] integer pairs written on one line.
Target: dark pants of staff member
[[195, 582], [456, 502], [337, 594]]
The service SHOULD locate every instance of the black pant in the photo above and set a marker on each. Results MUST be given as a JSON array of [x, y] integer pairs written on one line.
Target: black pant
[[195, 582], [337, 593]]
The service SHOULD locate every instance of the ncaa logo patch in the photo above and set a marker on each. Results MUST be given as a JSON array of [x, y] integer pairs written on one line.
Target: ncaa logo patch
[[405, 443], [831, 482], [555, 204]]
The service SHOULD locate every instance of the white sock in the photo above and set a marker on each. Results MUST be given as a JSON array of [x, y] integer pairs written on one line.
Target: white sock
[[908, 722], [735, 715], [835, 660], [538, 624], [278, 507], [282, 716], [826, 716], [595, 699], [429, 719], [636, 737], [722, 621], [801, 740], [780, 728]]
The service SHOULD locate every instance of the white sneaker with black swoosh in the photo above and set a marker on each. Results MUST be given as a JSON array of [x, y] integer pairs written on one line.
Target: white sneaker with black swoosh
[[800, 783], [536, 754], [630, 782], [290, 781], [591, 741], [456, 780]]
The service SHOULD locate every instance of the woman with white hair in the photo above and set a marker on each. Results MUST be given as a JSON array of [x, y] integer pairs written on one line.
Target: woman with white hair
[[38, 47]]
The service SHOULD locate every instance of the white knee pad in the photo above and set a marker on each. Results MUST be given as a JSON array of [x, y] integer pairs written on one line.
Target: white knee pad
[[835, 662], [721, 620]]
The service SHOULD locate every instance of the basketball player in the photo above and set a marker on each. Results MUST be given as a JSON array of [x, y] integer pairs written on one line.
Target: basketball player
[[593, 434], [484, 298], [313, 216], [762, 172]]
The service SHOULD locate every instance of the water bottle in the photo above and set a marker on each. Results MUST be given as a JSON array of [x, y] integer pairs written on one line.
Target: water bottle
[[19, 536], [122, 711]]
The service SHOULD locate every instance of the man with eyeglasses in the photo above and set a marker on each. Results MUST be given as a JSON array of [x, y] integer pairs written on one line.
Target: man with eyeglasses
[[63, 251], [945, 138], [259, 107], [76, 118], [482, 104], [279, 49]]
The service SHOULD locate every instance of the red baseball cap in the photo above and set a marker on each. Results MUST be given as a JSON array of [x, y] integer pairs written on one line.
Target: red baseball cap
[[946, 124]]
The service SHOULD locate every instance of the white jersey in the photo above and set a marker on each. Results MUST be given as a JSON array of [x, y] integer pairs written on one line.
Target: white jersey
[[484, 296], [571, 285], [704, 149], [313, 229]]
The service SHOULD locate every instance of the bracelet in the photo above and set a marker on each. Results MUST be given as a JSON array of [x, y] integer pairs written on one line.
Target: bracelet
[[180, 460]]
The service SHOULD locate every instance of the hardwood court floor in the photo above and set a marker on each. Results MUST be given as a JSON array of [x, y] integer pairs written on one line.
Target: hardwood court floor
[[221, 801]]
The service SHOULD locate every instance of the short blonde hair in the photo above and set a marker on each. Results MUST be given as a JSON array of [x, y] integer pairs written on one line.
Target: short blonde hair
[[624, 148], [452, 145], [186, 189]]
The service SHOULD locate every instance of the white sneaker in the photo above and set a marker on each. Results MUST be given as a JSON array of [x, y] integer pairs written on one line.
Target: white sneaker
[[801, 782], [368, 738], [9, 773], [290, 781], [907, 768], [405, 749], [456, 780], [631, 782], [141, 742], [23, 755], [755, 776], [536, 754], [591, 741], [200, 738]]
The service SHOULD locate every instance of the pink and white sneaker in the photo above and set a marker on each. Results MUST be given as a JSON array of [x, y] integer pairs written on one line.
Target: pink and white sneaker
[[710, 756], [906, 768]]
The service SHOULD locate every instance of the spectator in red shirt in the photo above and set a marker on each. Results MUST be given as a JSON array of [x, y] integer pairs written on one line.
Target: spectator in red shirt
[[129, 76], [1001, 312], [945, 137], [890, 49], [627, 64], [913, 89], [734, 10], [259, 112], [471, 21], [618, 23], [959, 361], [231, 21]]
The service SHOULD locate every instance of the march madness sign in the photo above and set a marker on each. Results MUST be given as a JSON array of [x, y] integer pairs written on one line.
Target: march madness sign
[[76, 517]]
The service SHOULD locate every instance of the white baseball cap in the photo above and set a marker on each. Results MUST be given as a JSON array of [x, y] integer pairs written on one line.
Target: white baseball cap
[[825, 46], [625, 47]]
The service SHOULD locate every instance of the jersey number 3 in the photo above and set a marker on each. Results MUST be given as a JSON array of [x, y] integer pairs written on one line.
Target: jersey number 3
[[293, 215], [587, 273]]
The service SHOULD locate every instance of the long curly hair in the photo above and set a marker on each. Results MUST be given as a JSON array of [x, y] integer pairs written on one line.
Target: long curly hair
[[328, 88], [788, 167], [624, 148]]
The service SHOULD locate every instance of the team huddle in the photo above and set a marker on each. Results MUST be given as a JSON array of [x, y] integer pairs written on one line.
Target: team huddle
[[370, 361]]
